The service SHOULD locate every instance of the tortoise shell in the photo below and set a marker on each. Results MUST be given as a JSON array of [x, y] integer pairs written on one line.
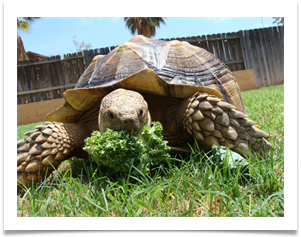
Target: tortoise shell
[[166, 68]]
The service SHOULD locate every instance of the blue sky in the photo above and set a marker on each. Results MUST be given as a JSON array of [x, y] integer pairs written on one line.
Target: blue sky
[[54, 35]]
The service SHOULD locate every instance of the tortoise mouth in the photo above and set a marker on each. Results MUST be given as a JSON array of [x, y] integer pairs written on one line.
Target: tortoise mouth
[[133, 130], [130, 124]]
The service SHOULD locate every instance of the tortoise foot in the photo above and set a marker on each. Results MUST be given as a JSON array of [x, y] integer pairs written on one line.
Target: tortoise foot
[[213, 121], [44, 149]]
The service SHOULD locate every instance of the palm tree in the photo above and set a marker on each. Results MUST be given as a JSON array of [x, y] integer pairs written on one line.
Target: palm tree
[[143, 25]]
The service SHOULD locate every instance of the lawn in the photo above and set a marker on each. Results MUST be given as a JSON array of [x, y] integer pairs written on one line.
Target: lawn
[[189, 185]]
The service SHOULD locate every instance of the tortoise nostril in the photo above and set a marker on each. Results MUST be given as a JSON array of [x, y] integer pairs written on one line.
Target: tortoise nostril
[[126, 121]]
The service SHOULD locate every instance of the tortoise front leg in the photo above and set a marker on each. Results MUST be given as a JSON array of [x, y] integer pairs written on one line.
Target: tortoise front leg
[[213, 121], [46, 148]]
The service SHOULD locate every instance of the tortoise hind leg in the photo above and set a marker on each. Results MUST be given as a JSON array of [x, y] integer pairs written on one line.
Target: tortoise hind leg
[[46, 148], [214, 121]]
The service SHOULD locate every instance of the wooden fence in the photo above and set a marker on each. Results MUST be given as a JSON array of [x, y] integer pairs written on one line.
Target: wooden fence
[[39, 81], [258, 49], [263, 50]]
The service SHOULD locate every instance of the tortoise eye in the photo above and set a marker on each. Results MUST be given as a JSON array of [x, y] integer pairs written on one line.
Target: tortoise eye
[[112, 117], [141, 113]]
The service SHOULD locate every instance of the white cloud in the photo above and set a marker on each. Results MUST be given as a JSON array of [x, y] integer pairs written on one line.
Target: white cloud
[[89, 20], [218, 19], [114, 19], [86, 20]]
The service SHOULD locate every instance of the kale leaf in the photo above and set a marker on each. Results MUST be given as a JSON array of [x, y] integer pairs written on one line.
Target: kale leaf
[[120, 150]]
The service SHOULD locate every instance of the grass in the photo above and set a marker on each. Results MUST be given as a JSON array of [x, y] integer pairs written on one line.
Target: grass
[[187, 186]]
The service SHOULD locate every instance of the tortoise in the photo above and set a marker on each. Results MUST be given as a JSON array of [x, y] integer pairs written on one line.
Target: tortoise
[[184, 87]]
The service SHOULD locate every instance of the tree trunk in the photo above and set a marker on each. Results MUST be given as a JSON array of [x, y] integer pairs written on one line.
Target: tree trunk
[[21, 54]]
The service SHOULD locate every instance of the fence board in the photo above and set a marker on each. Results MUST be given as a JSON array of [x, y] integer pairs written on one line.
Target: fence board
[[30, 79], [244, 50], [81, 68], [266, 63], [22, 86], [270, 59], [65, 71], [210, 44], [59, 74], [260, 55], [281, 38], [278, 41], [255, 61], [44, 78], [48, 78], [274, 56], [216, 46], [281, 52], [249, 50], [226, 50], [259, 58], [221, 47], [231, 52], [238, 51], [53, 78], [203, 43]]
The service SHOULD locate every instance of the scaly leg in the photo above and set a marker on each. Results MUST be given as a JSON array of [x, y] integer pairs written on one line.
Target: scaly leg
[[46, 148], [213, 121]]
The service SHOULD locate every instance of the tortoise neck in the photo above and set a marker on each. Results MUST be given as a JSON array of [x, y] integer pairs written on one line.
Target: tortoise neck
[[90, 118], [166, 111]]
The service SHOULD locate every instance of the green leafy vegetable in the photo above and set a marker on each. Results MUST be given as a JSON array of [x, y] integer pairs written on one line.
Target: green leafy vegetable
[[120, 150], [223, 156]]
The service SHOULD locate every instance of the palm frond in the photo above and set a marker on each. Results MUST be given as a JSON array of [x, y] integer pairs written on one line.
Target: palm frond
[[25, 23], [143, 25]]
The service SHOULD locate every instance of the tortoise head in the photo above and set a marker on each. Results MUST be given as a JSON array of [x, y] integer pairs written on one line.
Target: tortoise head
[[123, 110]]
